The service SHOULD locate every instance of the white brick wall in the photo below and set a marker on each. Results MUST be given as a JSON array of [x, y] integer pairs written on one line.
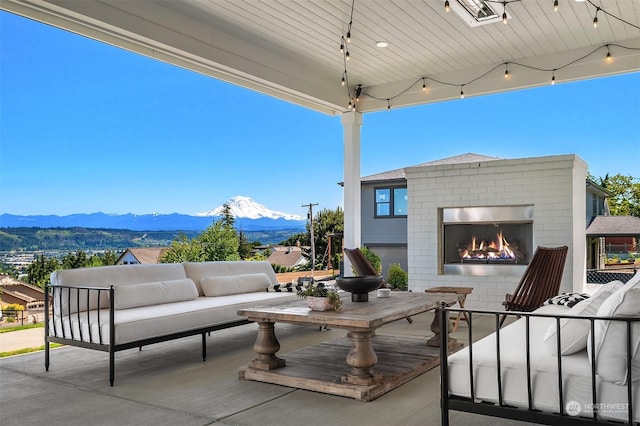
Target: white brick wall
[[554, 185]]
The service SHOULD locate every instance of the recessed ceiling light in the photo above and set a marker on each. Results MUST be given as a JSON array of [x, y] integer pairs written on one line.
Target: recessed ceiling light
[[381, 44]]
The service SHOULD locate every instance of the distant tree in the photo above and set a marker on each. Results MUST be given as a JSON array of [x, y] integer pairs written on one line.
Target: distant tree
[[219, 242], [227, 217], [245, 248], [626, 194], [79, 259], [40, 270], [182, 250], [6, 269], [109, 258], [303, 237], [327, 222]]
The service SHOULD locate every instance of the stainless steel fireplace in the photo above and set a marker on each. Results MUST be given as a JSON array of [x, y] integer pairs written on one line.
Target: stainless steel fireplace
[[492, 240]]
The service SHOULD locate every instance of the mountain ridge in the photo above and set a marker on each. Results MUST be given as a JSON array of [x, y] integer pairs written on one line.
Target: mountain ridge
[[249, 216]]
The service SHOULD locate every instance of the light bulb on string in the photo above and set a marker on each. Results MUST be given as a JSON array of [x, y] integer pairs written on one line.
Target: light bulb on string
[[461, 92], [595, 18], [506, 72], [555, 5], [424, 86], [609, 58], [447, 8], [504, 13], [346, 55], [349, 36], [344, 79], [553, 78], [341, 47], [388, 106]]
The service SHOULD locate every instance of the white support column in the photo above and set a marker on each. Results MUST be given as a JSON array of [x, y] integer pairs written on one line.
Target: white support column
[[351, 123]]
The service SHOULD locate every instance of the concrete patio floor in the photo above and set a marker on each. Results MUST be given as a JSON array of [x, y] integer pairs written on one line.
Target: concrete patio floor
[[168, 384]]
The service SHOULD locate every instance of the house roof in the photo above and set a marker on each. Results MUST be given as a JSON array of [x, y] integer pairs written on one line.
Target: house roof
[[144, 254], [614, 226], [399, 174], [289, 257]]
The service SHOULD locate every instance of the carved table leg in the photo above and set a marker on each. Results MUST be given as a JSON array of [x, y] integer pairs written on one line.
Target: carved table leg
[[361, 358], [437, 329], [266, 346]]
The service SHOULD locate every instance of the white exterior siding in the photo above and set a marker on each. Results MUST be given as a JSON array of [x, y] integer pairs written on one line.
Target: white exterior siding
[[554, 185]]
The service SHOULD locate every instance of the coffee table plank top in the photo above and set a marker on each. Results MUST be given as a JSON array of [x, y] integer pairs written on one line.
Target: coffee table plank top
[[362, 315]]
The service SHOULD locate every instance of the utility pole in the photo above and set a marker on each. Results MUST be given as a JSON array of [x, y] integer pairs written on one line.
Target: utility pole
[[313, 246]]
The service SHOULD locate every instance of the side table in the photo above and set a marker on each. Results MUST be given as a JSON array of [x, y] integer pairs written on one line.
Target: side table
[[464, 291]]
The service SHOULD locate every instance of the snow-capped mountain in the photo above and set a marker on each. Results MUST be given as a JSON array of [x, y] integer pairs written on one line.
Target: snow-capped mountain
[[248, 215], [245, 207]]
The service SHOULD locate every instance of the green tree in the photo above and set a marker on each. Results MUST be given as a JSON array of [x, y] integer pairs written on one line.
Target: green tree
[[625, 190], [219, 242], [182, 250], [245, 247], [373, 258], [327, 222], [227, 217], [40, 270], [79, 259]]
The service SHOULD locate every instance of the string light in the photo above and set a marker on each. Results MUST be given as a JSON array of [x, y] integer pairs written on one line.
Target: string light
[[504, 13], [358, 90], [447, 7]]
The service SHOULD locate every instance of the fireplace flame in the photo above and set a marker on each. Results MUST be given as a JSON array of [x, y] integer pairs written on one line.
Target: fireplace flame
[[496, 249]]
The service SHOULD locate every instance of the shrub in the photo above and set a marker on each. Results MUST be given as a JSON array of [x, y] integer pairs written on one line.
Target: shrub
[[373, 258], [397, 277]]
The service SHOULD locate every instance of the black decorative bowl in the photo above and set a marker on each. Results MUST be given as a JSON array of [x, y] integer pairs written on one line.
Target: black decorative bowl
[[359, 287]]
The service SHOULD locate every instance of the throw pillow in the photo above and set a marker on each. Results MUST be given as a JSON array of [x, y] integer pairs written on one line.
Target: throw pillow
[[566, 299], [234, 284], [575, 332], [154, 293], [610, 337], [283, 288]]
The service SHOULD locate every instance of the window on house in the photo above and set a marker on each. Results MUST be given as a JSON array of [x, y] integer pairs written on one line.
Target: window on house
[[390, 202]]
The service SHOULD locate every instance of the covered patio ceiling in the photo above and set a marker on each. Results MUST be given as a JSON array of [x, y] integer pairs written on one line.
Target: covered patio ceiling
[[290, 49]]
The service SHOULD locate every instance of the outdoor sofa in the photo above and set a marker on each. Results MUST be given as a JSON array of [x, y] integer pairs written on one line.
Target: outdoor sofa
[[113, 308], [516, 373]]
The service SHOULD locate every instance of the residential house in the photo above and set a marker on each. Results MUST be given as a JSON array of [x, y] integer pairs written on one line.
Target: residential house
[[140, 255], [288, 256]]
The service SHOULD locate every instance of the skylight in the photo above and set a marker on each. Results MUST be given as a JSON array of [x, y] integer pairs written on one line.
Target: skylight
[[480, 10], [475, 12]]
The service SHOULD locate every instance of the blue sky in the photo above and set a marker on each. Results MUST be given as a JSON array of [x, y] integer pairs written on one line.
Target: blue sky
[[87, 127]]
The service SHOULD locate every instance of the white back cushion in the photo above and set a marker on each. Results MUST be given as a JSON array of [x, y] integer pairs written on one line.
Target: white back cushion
[[154, 293], [234, 284], [574, 332], [611, 336], [66, 302], [199, 270]]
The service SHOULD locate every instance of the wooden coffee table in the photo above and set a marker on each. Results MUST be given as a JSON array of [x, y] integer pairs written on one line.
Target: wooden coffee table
[[321, 367]]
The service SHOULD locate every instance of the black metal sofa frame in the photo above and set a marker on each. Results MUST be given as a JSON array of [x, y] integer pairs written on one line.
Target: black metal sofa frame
[[500, 409], [55, 334]]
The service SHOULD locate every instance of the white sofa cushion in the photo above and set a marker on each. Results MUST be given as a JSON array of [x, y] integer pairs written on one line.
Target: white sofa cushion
[[234, 284], [106, 276], [154, 293], [199, 270], [574, 332], [611, 336]]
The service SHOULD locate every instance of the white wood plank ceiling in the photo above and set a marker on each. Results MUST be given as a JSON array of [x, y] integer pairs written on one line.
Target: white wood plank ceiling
[[290, 48]]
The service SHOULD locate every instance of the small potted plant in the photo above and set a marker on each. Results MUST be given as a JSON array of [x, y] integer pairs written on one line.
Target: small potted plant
[[320, 298]]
